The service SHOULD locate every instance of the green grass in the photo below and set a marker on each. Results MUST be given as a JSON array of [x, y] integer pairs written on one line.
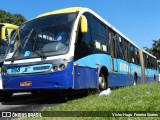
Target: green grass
[[133, 98]]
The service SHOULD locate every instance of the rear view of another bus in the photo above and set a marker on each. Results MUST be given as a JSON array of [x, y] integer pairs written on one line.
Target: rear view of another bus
[[6, 32]]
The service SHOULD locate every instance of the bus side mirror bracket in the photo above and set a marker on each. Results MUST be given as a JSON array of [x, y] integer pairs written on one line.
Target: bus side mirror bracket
[[84, 24]]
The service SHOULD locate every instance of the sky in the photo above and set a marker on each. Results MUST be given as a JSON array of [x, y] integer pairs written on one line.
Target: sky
[[139, 20]]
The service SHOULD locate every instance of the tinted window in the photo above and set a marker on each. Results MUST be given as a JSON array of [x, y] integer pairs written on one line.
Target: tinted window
[[83, 43], [99, 36]]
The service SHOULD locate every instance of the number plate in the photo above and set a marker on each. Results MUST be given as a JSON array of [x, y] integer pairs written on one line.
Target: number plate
[[26, 84]]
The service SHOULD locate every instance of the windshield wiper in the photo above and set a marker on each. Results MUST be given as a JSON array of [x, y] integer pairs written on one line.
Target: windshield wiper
[[39, 53], [26, 38]]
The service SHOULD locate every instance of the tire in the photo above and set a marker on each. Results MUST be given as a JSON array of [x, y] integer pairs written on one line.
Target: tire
[[135, 79], [102, 82], [154, 78]]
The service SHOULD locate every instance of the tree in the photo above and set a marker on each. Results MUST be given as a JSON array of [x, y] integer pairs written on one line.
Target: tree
[[155, 50], [6, 17]]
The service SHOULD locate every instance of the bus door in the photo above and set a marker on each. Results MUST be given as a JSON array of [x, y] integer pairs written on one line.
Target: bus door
[[113, 51]]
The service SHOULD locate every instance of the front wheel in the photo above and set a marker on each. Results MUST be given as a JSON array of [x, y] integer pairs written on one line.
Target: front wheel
[[102, 82]]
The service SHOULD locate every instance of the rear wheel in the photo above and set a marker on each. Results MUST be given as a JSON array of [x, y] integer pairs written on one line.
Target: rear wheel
[[135, 78], [154, 78]]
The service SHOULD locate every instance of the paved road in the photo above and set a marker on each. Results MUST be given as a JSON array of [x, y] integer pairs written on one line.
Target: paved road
[[21, 102], [27, 102]]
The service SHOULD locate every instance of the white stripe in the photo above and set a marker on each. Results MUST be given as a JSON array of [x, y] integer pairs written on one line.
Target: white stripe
[[37, 59]]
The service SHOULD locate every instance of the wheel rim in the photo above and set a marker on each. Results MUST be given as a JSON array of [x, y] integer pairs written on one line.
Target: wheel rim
[[102, 82]]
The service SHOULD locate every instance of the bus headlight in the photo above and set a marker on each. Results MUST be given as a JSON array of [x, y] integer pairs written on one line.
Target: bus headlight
[[55, 68], [59, 67], [62, 66]]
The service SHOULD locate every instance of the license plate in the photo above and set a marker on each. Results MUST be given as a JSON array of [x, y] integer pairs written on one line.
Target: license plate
[[26, 84]]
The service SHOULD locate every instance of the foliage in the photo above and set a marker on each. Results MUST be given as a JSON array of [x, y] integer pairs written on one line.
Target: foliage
[[155, 50], [6, 17]]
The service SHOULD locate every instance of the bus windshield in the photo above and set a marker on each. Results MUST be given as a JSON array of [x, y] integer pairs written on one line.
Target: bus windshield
[[42, 37]]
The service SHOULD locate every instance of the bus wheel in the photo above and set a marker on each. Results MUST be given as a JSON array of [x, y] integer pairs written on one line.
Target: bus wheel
[[154, 78], [102, 82], [135, 78]]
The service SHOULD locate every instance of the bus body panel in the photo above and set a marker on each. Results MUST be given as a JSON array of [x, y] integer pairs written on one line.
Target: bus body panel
[[116, 64], [135, 69], [123, 66], [118, 79], [150, 74], [56, 80], [85, 77], [95, 60]]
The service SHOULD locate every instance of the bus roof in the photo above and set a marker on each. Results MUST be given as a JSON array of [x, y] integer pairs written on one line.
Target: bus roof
[[66, 10], [149, 54]]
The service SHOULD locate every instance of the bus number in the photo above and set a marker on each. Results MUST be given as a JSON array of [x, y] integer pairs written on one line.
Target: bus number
[[15, 70]]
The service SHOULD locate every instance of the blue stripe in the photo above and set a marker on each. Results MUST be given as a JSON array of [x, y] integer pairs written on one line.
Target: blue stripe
[[94, 60]]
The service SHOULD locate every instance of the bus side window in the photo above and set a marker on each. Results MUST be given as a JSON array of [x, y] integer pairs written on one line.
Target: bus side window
[[137, 56], [121, 49], [132, 53], [126, 49], [100, 41]]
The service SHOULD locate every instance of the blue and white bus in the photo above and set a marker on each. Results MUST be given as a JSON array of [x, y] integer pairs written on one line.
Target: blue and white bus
[[72, 49]]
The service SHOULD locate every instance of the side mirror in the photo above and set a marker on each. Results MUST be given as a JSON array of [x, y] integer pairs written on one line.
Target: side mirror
[[84, 24], [3, 33], [7, 30]]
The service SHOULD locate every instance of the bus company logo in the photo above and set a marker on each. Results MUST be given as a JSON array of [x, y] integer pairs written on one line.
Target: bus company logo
[[6, 114]]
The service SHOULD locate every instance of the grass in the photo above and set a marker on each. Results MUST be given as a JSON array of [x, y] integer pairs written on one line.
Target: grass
[[133, 98]]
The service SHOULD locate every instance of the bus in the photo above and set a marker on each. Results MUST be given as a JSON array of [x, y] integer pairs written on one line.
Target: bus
[[6, 31], [73, 49]]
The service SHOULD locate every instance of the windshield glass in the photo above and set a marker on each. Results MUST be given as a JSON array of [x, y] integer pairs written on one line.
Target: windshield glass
[[42, 37]]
